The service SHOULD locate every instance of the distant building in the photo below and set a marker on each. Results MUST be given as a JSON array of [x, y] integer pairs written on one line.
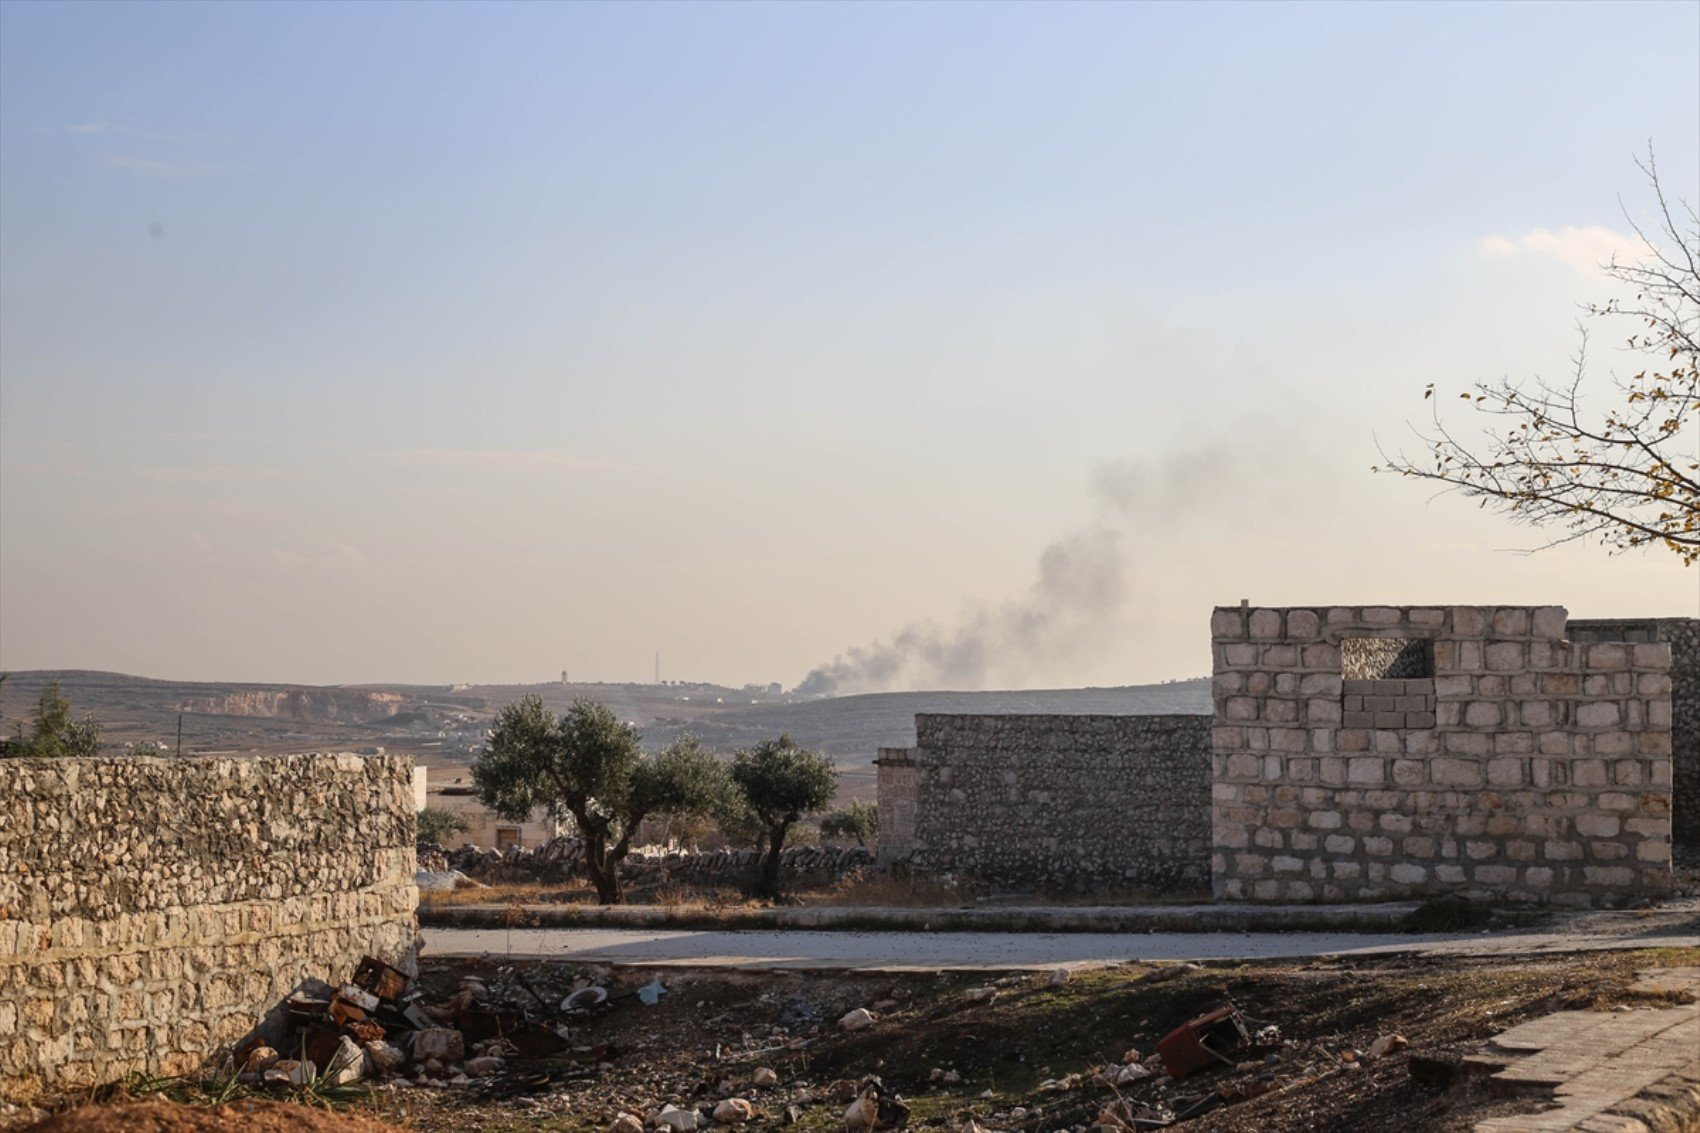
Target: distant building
[[484, 828]]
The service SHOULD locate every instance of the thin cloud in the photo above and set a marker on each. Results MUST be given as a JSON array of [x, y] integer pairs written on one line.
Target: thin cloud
[[210, 473], [163, 168], [491, 460], [112, 129], [1585, 249]]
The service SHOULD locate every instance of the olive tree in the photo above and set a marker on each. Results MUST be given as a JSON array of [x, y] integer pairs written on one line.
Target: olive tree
[[588, 766], [437, 824], [1612, 462], [778, 783], [860, 820]]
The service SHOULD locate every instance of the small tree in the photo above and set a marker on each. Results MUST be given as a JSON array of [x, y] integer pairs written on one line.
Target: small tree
[[860, 820], [779, 783], [53, 733], [436, 824], [587, 766], [1625, 475]]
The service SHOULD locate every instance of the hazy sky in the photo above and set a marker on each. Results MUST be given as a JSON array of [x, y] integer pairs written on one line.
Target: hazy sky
[[449, 343]]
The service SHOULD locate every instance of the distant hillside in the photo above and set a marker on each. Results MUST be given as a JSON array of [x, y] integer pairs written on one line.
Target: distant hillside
[[444, 727], [853, 726]]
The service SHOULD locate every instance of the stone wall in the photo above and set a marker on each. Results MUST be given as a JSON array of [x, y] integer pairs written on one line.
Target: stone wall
[[152, 910], [1683, 637], [896, 793], [1546, 775], [1065, 803]]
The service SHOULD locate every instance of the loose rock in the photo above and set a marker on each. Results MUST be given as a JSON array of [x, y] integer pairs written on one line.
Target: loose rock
[[734, 1111]]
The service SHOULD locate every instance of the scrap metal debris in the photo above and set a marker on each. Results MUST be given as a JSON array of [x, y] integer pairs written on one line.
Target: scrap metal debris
[[377, 1026]]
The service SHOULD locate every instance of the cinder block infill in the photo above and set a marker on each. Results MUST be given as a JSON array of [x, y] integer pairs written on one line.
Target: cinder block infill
[[1028, 918]]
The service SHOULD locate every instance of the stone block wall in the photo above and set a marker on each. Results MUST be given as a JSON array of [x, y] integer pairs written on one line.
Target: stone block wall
[[1065, 803], [152, 910], [1546, 775], [1683, 637], [896, 791]]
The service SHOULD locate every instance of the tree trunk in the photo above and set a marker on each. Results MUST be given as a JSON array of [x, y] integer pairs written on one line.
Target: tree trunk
[[604, 871], [768, 884]]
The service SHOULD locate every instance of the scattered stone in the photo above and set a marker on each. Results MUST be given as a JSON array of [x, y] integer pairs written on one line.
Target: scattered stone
[[1131, 1056], [442, 1044], [765, 1076], [486, 1067], [1059, 977], [292, 1072], [885, 1005], [734, 1111], [858, 1019], [1386, 1045], [348, 1065], [626, 1123], [875, 1107], [679, 1120], [979, 994], [384, 1058], [260, 1058]]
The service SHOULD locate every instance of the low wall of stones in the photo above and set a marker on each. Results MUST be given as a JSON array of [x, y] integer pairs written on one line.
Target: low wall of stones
[[1546, 775], [896, 793], [152, 910], [1683, 637], [1065, 803]]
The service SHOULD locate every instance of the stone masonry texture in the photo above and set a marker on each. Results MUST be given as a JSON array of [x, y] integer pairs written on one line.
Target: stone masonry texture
[[896, 786], [154, 910], [1683, 637], [1064, 803], [1546, 775]]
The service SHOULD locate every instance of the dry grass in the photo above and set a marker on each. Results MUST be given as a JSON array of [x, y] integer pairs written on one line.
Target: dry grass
[[575, 892], [887, 890]]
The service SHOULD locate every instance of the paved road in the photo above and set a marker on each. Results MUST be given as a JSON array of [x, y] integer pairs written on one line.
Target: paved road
[[932, 951]]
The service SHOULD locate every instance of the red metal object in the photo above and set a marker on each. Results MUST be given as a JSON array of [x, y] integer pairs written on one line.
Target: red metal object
[[1200, 1043], [380, 979]]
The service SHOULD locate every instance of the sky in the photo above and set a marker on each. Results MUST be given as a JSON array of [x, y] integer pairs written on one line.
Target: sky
[[442, 343]]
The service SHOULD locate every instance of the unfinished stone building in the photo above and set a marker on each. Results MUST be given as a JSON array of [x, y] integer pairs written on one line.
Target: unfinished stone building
[[1353, 753]]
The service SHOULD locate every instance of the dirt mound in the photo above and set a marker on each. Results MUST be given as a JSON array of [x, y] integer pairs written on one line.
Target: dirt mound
[[249, 1116]]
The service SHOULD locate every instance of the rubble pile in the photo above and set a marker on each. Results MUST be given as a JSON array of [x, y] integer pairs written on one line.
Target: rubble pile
[[378, 1026], [561, 859]]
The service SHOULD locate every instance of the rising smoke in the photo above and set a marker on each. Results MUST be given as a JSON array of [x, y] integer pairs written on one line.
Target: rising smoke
[[1072, 609]]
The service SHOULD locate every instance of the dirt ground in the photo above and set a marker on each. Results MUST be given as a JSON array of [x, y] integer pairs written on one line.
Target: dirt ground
[[252, 1115], [1013, 1053]]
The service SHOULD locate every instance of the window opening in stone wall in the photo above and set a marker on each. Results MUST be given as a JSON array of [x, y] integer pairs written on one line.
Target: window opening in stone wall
[[507, 836], [1385, 658], [1386, 683]]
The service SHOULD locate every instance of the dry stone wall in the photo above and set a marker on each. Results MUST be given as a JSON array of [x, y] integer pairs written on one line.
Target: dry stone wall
[[1064, 803], [1683, 637], [1546, 775], [154, 909]]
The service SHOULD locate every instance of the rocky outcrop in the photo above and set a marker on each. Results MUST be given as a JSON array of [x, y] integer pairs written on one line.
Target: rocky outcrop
[[316, 705]]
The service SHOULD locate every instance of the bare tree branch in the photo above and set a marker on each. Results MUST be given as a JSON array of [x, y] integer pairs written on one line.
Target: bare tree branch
[[1628, 477]]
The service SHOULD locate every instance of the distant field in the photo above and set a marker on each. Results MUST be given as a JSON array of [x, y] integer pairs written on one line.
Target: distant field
[[443, 726]]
